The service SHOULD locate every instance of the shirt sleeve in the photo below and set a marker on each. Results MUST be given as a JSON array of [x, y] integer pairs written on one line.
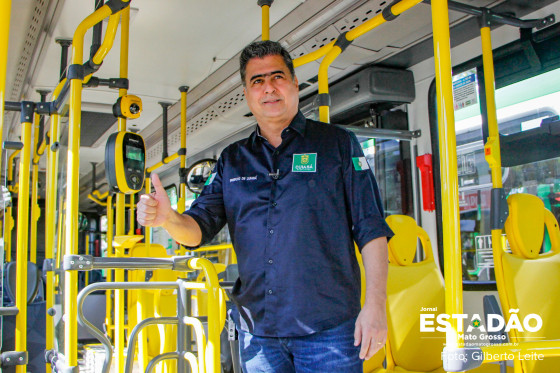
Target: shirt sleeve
[[208, 209], [362, 195]]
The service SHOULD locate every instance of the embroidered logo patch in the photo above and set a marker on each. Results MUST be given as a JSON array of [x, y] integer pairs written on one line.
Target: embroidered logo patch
[[360, 163], [305, 162]]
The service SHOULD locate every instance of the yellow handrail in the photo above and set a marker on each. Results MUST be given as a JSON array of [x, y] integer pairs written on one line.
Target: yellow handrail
[[22, 241], [181, 204], [35, 210], [9, 220], [109, 273], [449, 178], [215, 312], [72, 190], [5, 13], [120, 207], [171, 158], [50, 226], [265, 13]]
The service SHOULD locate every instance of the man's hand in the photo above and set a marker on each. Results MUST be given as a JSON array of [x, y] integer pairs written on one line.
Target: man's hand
[[371, 329], [153, 210]]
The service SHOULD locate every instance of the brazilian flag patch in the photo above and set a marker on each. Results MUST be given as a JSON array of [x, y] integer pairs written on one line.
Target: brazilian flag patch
[[360, 163]]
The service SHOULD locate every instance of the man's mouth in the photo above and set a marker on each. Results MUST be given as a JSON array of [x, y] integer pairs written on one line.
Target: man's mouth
[[271, 101]]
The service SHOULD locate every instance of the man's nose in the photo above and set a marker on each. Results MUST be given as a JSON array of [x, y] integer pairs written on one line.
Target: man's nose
[[269, 86]]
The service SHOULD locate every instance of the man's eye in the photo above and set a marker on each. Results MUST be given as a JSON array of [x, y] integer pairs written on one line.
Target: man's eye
[[257, 81], [278, 76]]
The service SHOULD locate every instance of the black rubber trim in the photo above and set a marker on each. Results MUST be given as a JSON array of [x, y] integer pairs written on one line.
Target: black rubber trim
[[90, 67], [262, 3], [118, 83], [117, 5], [324, 99], [182, 151], [12, 145], [342, 42], [27, 111], [44, 108], [75, 71], [499, 208], [12, 106], [184, 88], [388, 14], [13, 358]]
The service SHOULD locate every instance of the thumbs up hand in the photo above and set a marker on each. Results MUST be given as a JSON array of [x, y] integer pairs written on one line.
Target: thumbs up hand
[[154, 209]]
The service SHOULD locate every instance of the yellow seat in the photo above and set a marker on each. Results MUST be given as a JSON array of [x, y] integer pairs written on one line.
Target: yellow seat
[[529, 280], [414, 288]]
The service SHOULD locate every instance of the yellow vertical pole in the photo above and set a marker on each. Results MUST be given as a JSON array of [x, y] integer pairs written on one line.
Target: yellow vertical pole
[[50, 226], [22, 231], [131, 215], [448, 165], [35, 211], [265, 12], [110, 253], [9, 219], [120, 208], [181, 205], [86, 273], [143, 359], [72, 189], [493, 155], [5, 13]]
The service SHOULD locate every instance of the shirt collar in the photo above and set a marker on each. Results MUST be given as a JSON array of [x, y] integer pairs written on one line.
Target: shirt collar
[[298, 124]]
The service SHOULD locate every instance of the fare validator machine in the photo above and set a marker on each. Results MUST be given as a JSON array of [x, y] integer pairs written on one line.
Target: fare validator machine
[[125, 152], [125, 159]]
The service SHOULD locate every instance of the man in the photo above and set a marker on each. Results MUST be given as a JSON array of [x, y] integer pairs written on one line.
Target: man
[[295, 194]]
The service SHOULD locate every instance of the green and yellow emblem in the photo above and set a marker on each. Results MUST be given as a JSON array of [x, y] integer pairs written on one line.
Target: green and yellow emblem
[[305, 162], [360, 163]]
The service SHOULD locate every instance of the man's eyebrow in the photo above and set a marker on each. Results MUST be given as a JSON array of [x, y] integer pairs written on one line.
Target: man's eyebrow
[[267, 74]]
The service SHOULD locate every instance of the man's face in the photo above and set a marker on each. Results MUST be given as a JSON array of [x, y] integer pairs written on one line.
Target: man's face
[[270, 90]]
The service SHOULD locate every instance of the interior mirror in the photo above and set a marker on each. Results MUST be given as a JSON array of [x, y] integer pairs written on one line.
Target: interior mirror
[[198, 174]]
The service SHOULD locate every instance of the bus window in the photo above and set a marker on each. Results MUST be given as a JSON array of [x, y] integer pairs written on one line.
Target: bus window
[[521, 108], [390, 162]]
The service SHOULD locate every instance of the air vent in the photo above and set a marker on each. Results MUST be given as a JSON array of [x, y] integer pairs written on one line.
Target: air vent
[[230, 101], [201, 120], [29, 46], [360, 15]]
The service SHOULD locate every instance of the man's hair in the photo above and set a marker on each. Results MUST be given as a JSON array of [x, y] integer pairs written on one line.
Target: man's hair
[[261, 49]]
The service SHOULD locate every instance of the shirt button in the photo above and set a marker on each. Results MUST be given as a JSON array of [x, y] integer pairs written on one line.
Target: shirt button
[[271, 231], [275, 152], [270, 261], [270, 291], [274, 204]]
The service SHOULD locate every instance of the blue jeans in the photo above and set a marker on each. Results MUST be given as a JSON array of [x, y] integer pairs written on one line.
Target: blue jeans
[[330, 350]]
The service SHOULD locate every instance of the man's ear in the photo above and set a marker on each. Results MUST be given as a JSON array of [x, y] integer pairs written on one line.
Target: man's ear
[[296, 82], [245, 92]]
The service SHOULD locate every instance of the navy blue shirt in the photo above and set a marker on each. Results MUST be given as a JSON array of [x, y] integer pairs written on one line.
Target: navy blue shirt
[[293, 213]]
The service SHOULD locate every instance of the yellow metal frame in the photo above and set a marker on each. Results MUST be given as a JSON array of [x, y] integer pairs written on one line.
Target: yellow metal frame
[[50, 226], [265, 13], [331, 51], [22, 242], [181, 203], [449, 179], [35, 210], [72, 191], [5, 13], [8, 216]]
